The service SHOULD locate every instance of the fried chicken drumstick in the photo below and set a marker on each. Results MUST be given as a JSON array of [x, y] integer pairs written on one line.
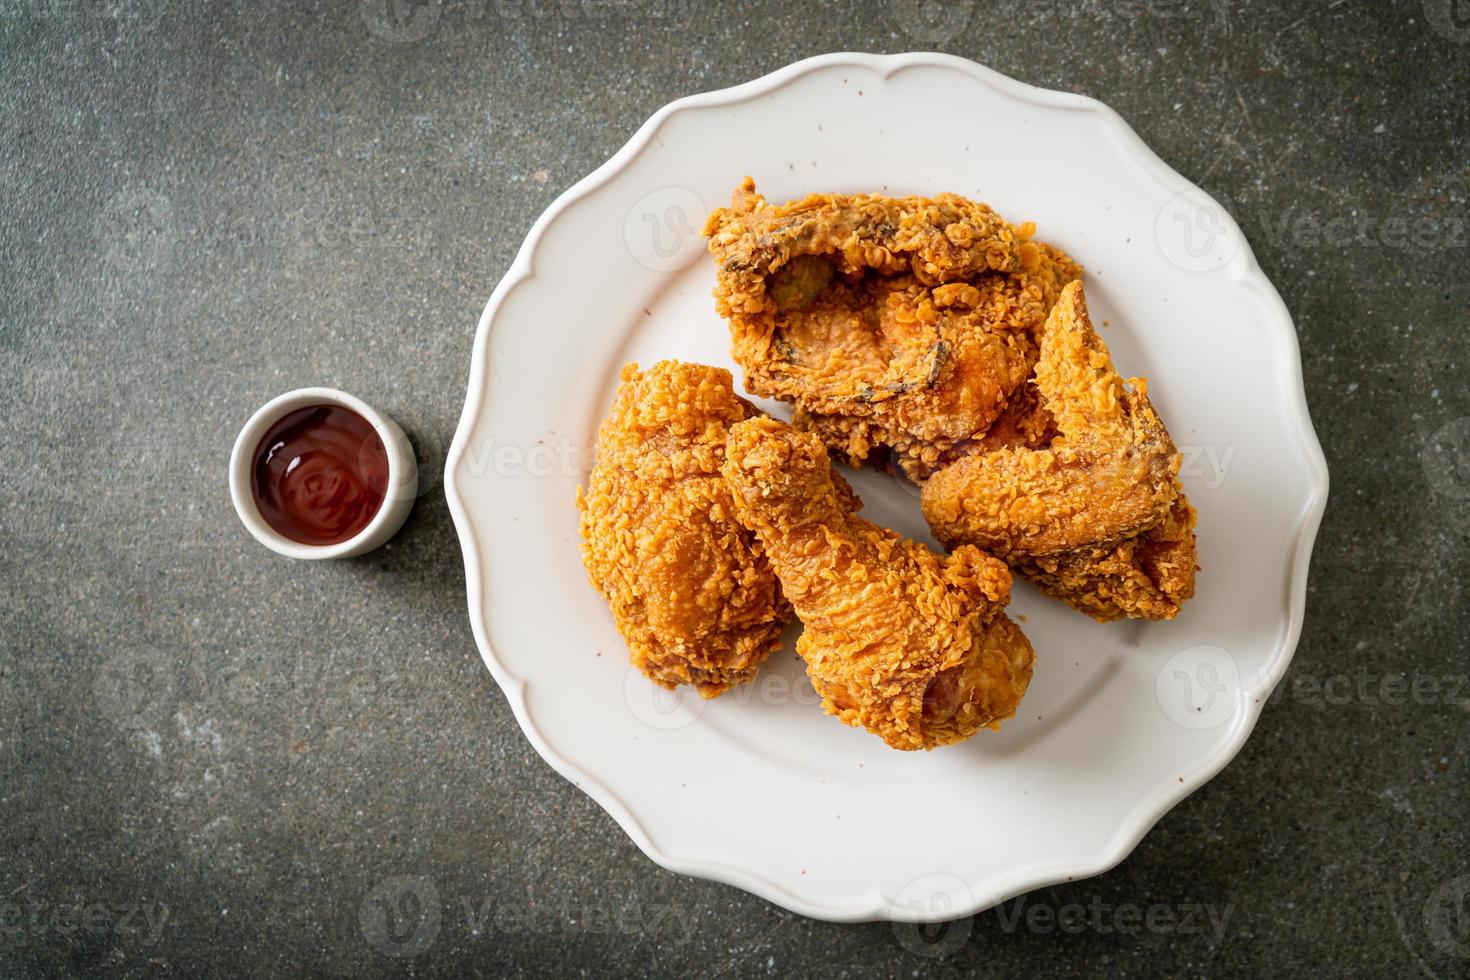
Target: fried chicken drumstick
[[1095, 515], [904, 323], [906, 643], [689, 587]]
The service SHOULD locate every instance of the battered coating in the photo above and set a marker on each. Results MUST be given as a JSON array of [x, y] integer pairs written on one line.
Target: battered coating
[[897, 323], [1095, 515], [689, 587], [911, 645]]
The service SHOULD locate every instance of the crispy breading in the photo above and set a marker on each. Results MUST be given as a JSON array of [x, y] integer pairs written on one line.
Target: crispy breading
[[1096, 516], [904, 323], [689, 587], [1147, 576], [906, 643]]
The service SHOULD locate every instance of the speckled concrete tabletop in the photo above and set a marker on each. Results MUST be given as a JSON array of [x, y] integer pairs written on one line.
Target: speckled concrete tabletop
[[216, 760]]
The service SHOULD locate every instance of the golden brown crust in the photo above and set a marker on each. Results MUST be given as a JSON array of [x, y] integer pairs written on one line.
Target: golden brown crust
[[906, 643], [904, 323], [689, 588], [1147, 576], [1107, 474], [1095, 516]]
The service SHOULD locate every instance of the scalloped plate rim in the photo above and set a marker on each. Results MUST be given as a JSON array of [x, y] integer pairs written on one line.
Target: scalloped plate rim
[[1242, 268]]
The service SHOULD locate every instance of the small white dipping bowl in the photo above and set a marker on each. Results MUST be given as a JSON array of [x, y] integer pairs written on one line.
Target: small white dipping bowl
[[403, 476]]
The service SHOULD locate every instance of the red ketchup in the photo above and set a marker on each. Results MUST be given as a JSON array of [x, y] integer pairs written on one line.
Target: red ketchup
[[320, 474]]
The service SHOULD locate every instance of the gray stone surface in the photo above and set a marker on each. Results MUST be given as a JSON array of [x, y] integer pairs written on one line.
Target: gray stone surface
[[213, 760]]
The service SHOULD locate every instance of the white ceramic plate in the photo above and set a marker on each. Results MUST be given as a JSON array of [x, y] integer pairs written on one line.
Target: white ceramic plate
[[759, 788]]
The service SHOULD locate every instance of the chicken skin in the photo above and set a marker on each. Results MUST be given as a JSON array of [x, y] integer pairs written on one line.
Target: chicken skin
[[1147, 576], [903, 324], [906, 643], [689, 587], [1081, 496]]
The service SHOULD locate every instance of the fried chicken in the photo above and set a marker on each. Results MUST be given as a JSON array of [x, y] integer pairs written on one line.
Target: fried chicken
[[1147, 576], [1095, 514], [906, 643], [689, 587], [905, 323]]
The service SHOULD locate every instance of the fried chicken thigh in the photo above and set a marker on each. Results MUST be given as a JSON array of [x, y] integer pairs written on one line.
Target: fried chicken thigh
[[689, 587], [906, 643], [1081, 496], [898, 323]]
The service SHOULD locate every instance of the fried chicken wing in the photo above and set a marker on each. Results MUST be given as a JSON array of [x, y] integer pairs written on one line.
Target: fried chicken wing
[[904, 323], [1147, 576], [689, 587], [1095, 515], [906, 643]]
